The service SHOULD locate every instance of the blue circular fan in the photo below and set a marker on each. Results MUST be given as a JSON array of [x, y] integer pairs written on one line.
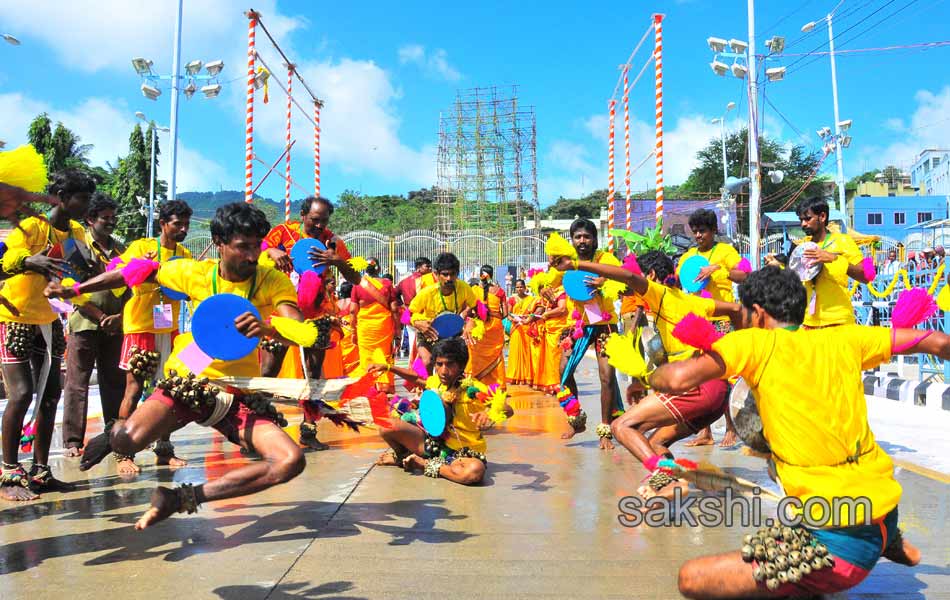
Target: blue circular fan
[[300, 255], [213, 327]]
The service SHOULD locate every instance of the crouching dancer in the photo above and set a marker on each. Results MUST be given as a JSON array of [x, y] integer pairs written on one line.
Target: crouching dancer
[[808, 390], [459, 455], [237, 230]]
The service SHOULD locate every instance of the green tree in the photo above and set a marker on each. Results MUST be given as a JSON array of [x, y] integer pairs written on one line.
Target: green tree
[[130, 188], [60, 146], [40, 133]]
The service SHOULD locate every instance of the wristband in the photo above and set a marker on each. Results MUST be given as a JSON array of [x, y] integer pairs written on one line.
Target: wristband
[[75, 289]]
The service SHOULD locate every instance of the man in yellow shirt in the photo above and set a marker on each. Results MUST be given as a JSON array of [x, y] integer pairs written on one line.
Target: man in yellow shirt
[[150, 321], [721, 273], [450, 296], [237, 230], [824, 449], [829, 303], [31, 334], [671, 417]]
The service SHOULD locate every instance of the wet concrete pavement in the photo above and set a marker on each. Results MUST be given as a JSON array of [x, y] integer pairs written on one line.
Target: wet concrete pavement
[[544, 524]]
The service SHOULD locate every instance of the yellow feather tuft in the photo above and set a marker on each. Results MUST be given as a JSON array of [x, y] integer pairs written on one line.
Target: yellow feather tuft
[[24, 168], [478, 331], [266, 261], [612, 290], [303, 334], [496, 405], [539, 281], [558, 246], [943, 298], [358, 263], [623, 355]]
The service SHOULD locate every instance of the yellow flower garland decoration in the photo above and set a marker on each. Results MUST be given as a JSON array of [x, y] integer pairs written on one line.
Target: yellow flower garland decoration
[[886, 292]]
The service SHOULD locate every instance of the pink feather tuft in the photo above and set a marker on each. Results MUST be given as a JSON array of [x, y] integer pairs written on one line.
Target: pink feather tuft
[[406, 317], [705, 294], [264, 245], [651, 463], [115, 263], [420, 368], [744, 265], [576, 315], [481, 310], [870, 272], [913, 307], [572, 408], [138, 270], [532, 272], [696, 332], [630, 263], [308, 291]]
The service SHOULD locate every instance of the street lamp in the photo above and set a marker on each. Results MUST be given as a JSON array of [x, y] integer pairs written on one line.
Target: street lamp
[[838, 141], [150, 82], [11, 40], [151, 183], [725, 170]]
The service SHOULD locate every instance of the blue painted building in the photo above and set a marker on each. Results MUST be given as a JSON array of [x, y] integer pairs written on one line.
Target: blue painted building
[[895, 216]]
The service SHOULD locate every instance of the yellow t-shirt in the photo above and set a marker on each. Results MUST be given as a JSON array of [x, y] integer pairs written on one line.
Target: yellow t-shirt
[[814, 413], [606, 306], [430, 303], [137, 317], [25, 290], [462, 432], [720, 286], [833, 304], [669, 306], [271, 288]]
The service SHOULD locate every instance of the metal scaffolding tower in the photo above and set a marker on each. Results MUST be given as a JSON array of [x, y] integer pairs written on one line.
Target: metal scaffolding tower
[[485, 143]]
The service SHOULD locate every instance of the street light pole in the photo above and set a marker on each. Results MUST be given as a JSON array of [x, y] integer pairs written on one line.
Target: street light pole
[[754, 184], [842, 206], [176, 68], [151, 185]]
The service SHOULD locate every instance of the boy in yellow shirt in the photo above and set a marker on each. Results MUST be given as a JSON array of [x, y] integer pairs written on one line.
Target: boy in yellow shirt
[[31, 335], [237, 230], [823, 449], [150, 322]]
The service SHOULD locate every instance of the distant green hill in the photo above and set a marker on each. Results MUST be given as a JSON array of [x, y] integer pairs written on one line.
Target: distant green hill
[[206, 203]]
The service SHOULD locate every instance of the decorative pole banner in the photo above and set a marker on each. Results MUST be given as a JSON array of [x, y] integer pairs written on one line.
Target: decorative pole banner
[[290, 85], [317, 105], [249, 122], [610, 175], [658, 63], [626, 139]]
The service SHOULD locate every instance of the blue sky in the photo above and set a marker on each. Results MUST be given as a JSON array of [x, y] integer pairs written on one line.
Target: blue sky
[[386, 70]]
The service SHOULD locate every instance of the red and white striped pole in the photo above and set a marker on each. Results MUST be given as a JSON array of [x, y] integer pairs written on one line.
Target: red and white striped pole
[[317, 105], [626, 140], [658, 64], [610, 175], [249, 115], [290, 85]]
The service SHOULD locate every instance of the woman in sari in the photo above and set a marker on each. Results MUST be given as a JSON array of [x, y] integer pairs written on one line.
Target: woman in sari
[[555, 318], [349, 351], [519, 344], [486, 360], [374, 310]]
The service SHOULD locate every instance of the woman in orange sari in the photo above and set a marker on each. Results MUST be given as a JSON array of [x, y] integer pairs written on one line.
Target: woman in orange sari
[[547, 373], [519, 345], [486, 359], [349, 351], [374, 310]]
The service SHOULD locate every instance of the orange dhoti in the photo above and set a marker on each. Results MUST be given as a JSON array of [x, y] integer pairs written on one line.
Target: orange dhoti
[[374, 334], [486, 360]]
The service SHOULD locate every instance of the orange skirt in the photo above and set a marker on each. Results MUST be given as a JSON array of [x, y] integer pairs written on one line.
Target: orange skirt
[[486, 359]]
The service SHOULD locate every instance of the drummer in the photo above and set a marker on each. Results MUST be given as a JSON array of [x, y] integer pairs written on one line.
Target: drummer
[[720, 274], [829, 303], [450, 297], [236, 230], [460, 455], [670, 417], [823, 449]]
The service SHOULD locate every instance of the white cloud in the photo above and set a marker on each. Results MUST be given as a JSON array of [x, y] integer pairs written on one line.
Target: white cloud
[[106, 124], [435, 64], [927, 127]]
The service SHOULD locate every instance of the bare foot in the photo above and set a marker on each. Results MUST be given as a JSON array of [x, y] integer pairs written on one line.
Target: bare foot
[[573, 432], [729, 440], [127, 466], [606, 444], [700, 440], [905, 554], [72, 452], [387, 459], [414, 462], [646, 492], [170, 461], [17, 493], [164, 503]]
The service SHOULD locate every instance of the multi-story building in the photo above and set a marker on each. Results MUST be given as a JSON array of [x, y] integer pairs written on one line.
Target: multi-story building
[[895, 217], [931, 172]]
